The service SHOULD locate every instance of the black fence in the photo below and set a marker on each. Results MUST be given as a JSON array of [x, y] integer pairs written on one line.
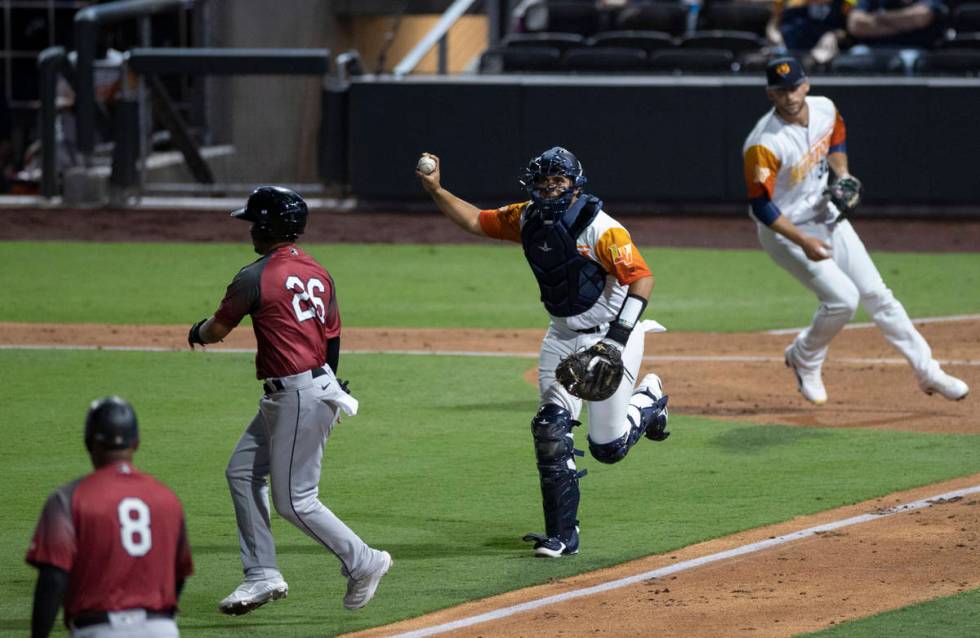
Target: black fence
[[675, 140]]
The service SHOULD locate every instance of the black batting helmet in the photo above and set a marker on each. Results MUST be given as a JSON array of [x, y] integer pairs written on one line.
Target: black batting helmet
[[111, 424], [278, 213]]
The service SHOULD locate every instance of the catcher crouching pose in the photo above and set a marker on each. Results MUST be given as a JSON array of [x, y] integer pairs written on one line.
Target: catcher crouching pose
[[802, 223], [594, 284]]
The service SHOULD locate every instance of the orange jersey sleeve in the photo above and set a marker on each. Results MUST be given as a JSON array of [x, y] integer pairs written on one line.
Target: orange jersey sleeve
[[619, 256], [761, 166], [504, 222], [839, 135]]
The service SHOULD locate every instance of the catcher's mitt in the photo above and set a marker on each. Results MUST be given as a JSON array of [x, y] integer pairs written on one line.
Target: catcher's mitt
[[592, 374], [846, 194]]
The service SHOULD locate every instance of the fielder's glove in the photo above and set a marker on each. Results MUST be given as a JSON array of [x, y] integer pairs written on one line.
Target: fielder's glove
[[845, 193], [592, 374]]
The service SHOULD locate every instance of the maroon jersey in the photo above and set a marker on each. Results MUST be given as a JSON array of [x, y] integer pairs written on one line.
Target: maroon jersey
[[120, 535], [294, 311]]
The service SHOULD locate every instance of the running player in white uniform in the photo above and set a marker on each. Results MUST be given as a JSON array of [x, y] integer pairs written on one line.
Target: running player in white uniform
[[594, 284], [788, 157]]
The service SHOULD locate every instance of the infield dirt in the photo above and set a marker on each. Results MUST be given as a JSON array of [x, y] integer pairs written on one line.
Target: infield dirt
[[801, 586]]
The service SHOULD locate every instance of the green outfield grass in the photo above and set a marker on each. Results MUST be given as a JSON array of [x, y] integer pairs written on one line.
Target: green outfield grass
[[951, 617], [438, 468], [458, 286]]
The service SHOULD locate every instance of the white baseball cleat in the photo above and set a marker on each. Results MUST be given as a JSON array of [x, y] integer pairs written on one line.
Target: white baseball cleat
[[361, 590], [947, 385], [252, 594], [808, 381]]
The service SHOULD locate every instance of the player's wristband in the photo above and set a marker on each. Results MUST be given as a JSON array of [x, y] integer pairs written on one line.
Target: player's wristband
[[629, 314]]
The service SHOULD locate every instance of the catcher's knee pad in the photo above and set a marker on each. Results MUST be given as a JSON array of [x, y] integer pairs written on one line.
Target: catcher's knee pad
[[552, 427], [555, 452], [649, 418], [614, 451]]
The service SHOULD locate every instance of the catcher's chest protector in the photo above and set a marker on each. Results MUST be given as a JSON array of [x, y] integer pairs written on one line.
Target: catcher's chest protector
[[570, 283]]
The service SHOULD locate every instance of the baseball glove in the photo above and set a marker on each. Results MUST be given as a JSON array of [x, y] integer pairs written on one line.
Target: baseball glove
[[845, 193], [592, 374]]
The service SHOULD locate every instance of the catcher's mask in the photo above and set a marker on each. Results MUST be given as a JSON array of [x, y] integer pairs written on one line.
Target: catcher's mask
[[555, 162], [111, 424], [276, 213]]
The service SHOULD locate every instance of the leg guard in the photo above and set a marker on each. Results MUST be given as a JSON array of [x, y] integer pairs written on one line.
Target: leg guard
[[552, 430], [647, 416]]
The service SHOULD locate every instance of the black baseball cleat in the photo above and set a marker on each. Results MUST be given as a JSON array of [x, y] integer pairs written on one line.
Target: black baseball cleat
[[552, 546]]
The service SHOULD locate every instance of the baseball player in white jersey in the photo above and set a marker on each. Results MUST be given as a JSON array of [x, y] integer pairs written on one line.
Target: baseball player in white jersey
[[594, 284], [788, 158]]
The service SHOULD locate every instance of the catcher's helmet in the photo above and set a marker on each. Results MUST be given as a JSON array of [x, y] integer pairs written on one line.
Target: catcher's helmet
[[278, 213], [556, 161], [111, 423]]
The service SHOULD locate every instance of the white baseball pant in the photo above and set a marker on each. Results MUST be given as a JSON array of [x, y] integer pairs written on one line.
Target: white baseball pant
[[841, 283], [130, 623], [607, 419]]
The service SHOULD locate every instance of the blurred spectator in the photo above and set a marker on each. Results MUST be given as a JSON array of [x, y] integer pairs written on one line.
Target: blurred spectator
[[809, 27], [896, 27]]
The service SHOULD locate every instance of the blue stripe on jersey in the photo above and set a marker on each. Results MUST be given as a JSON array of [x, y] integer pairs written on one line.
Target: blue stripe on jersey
[[838, 148], [764, 210]]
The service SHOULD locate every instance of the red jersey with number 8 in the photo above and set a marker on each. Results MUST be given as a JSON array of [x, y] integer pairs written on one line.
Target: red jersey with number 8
[[294, 311], [120, 535]]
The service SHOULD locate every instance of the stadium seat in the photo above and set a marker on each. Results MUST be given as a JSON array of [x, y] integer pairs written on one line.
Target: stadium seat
[[735, 16], [606, 60], [966, 18], [646, 40], [560, 41], [949, 62], [867, 64], [692, 61], [753, 62], [520, 59], [669, 17], [962, 41], [567, 17], [734, 41]]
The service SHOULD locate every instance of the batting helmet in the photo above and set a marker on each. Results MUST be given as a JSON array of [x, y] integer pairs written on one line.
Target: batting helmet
[[111, 424], [556, 161], [278, 213]]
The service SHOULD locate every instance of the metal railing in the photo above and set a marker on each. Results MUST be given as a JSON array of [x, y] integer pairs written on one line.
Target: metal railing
[[438, 35], [87, 24], [51, 63]]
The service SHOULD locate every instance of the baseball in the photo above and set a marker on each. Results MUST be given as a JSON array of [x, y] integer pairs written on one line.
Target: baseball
[[426, 165]]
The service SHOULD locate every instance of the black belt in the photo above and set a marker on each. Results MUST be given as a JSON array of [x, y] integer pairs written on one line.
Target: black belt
[[102, 617], [275, 385], [588, 331]]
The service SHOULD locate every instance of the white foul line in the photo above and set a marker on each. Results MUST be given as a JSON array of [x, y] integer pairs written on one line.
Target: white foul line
[[504, 612], [851, 326], [709, 358]]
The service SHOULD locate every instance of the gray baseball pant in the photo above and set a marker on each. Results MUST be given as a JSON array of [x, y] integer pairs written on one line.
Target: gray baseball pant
[[284, 443]]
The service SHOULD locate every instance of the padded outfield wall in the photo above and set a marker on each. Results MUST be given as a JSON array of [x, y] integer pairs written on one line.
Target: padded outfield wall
[[913, 141]]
